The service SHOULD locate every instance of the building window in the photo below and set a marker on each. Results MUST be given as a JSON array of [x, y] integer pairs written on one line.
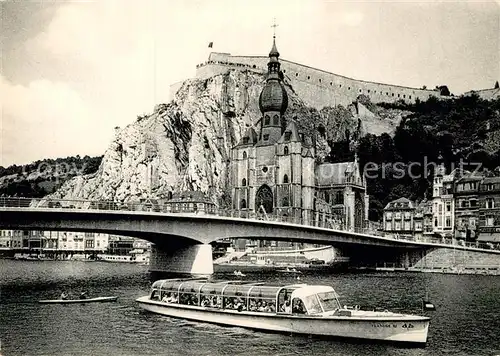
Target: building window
[[244, 182], [285, 201], [435, 222], [245, 140], [243, 204], [244, 155], [285, 150], [264, 169], [448, 221], [276, 120], [490, 221], [490, 203], [473, 203], [267, 120], [388, 226], [266, 137], [448, 206], [288, 135], [285, 179], [308, 77], [339, 197]]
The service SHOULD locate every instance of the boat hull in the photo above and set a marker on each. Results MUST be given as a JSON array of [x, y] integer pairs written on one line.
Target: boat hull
[[78, 301], [408, 329]]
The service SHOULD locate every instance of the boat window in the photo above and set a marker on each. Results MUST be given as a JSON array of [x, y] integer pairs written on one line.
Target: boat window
[[189, 293], [284, 301], [157, 284], [312, 304], [155, 295], [263, 298], [329, 301], [235, 296]]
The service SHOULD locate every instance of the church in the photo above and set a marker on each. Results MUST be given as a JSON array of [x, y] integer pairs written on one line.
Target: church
[[274, 170]]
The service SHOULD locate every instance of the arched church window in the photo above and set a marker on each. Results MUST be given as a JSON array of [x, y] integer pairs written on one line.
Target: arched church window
[[244, 154], [285, 201], [276, 120], [244, 182], [285, 178], [267, 120], [339, 199], [285, 150], [243, 204]]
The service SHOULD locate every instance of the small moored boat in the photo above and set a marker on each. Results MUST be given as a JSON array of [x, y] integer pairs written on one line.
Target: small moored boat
[[297, 308], [290, 270], [71, 301]]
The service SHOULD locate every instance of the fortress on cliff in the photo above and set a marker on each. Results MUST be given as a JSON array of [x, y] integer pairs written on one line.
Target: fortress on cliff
[[318, 88]]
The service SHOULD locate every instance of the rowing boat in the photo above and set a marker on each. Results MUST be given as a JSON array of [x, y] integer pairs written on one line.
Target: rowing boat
[[74, 301]]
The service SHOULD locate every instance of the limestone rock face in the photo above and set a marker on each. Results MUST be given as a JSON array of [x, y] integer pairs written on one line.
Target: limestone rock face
[[186, 144]]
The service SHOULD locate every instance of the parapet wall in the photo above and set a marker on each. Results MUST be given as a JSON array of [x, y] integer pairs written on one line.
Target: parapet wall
[[316, 87]]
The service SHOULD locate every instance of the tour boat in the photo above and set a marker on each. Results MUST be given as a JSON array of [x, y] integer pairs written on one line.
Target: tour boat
[[296, 308], [71, 301]]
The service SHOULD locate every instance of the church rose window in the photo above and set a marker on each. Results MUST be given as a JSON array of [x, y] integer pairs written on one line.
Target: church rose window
[[264, 169]]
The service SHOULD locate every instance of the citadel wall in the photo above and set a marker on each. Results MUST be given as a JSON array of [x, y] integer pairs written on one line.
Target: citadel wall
[[316, 87]]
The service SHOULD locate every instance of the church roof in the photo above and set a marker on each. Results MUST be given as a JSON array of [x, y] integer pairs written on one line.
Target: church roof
[[249, 138], [336, 173], [273, 97], [291, 133]]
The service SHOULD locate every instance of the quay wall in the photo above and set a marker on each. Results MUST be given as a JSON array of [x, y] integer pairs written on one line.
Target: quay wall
[[446, 258], [316, 87]]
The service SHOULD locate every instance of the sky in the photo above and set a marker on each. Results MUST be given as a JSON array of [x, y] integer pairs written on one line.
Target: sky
[[71, 71]]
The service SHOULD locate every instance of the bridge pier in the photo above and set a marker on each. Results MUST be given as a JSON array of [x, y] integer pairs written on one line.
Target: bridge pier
[[187, 259]]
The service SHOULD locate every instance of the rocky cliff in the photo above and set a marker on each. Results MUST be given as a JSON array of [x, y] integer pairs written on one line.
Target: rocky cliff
[[186, 144]]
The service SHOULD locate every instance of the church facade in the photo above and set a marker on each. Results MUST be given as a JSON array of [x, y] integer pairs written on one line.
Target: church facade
[[274, 170]]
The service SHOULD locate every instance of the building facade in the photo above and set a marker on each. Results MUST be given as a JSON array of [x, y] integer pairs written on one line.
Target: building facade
[[443, 204], [274, 169], [489, 209], [399, 217]]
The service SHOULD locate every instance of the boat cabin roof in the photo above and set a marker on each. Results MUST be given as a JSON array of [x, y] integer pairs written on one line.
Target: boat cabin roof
[[238, 288]]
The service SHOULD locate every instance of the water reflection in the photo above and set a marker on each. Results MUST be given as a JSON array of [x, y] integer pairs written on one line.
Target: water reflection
[[466, 321]]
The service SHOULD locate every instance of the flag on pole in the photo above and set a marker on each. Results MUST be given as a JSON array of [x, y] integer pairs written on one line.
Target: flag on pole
[[210, 45]]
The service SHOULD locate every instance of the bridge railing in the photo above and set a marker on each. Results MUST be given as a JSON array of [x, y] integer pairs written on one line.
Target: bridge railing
[[80, 204]]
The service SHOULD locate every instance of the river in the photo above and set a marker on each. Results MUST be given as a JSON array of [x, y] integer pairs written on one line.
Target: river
[[466, 321]]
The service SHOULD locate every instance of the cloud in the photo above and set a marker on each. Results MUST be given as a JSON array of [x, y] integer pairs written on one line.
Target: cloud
[[43, 119]]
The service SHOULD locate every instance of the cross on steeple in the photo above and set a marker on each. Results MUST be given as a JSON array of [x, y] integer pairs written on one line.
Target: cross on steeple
[[274, 25]]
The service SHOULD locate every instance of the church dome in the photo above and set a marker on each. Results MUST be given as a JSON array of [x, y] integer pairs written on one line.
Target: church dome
[[273, 97]]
